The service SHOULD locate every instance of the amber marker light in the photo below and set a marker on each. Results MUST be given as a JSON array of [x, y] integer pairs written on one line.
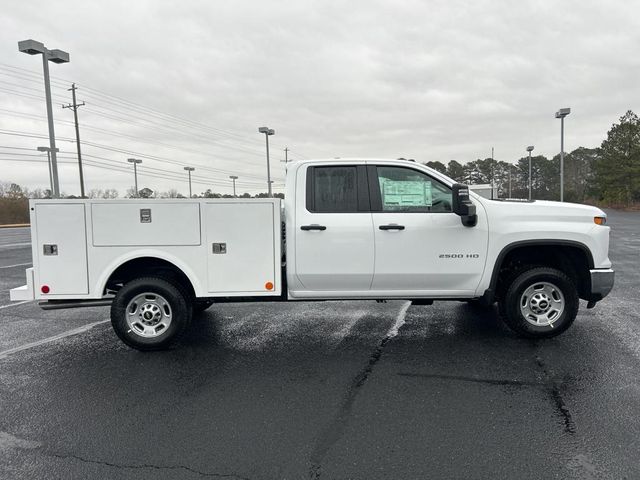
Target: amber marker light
[[268, 286], [600, 220]]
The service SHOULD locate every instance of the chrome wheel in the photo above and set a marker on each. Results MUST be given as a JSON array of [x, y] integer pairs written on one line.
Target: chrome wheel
[[542, 304], [148, 315]]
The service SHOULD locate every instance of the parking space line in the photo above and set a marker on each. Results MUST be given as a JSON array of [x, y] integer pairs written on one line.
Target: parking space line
[[15, 244], [54, 338], [16, 265], [14, 304]]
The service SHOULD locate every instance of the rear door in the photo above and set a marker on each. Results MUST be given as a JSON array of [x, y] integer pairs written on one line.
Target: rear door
[[333, 229]]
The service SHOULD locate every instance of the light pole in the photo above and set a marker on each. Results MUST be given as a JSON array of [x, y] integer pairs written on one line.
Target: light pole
[[563, 112], [267, 131], [135, 162], [234, 178], [530, 149], [31, 47], [48, 150], [492, 173], [189, 169]]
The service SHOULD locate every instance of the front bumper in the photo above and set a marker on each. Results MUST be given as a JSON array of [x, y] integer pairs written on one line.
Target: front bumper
[[601, 283]]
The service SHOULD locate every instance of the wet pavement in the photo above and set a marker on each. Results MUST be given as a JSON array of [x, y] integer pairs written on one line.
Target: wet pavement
[[325, 390]]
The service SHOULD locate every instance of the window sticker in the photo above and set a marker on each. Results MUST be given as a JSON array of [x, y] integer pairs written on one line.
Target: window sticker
[[406, 193]]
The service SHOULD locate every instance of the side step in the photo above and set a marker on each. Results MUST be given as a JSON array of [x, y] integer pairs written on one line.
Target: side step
[[60, 304]]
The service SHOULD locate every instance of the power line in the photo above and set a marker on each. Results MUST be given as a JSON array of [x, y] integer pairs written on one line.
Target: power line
[[121, 119], [129, 105], [118, 150], [146, 171]]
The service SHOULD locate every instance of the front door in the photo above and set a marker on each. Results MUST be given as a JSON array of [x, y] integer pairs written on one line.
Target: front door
[[421, 245], [333, 229]]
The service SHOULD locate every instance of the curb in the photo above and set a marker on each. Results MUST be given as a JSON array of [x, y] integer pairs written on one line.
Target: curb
[[15, 225]]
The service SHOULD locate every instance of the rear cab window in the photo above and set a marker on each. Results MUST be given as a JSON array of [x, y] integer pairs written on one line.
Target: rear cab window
[[337, 189]]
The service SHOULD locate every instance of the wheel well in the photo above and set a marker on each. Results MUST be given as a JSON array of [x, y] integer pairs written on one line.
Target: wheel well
[[145, 266], [574, 261]]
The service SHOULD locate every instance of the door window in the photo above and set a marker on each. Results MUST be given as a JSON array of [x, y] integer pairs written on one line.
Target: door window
[[407, 190], [334, 189]]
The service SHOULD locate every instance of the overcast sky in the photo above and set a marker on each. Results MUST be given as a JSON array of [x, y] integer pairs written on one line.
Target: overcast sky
[[189, 82]]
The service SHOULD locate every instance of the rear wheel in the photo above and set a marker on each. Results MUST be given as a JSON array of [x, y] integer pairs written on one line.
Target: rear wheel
[[540, 302], [150, 313]]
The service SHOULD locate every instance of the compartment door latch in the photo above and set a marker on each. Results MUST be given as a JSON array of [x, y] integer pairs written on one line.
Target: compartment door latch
[[219, 248]]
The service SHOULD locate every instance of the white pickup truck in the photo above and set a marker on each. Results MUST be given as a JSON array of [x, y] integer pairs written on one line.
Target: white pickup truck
[[349, 229]]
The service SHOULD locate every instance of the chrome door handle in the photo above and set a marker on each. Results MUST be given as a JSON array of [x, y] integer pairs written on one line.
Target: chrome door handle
[[313, 227]]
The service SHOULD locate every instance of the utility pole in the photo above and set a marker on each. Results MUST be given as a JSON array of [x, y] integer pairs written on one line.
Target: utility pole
[[75, 107], [286, 154], [510, 180]]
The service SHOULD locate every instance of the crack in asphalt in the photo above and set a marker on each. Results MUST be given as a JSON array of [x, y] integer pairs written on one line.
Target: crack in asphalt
[[336, 428], [554, 388], [489, 381], [144, 466]]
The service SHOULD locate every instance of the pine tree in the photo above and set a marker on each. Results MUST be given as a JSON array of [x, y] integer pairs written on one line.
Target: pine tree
[[618, 167]]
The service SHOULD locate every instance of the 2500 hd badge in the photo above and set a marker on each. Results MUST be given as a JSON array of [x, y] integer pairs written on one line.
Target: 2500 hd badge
[[459, 255]]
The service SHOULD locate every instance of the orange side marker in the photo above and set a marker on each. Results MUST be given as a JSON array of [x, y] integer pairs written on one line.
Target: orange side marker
[[268, 286]]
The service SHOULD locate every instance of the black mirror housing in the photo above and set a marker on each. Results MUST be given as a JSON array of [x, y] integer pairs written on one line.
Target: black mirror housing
[[463, 206]]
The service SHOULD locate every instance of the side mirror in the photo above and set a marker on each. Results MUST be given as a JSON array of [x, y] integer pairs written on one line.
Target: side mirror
[[463, 206]]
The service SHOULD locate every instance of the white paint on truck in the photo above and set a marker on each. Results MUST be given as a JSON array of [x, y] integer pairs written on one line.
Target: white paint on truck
[[355, 229]]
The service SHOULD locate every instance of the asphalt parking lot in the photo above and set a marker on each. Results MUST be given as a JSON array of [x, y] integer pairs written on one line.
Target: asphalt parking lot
[[323, 390]]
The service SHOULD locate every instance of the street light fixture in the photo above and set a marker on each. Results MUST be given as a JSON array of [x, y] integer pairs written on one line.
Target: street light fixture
[[135, 162], [563, 112], [530, 149], [32, 47], [267, 131], [189, 169], [48, 150], [234, 178]]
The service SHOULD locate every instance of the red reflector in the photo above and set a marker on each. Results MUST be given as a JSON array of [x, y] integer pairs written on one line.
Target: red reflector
[[45, 289]]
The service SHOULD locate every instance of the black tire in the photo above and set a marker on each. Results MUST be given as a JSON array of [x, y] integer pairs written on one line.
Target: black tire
[[172, 302], [200, 306], [546, 288]]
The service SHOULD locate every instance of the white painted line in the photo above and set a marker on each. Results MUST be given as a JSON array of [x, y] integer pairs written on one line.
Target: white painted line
[[16, 265], [15, 244], [60, 336], [397, 325], [14, 304]]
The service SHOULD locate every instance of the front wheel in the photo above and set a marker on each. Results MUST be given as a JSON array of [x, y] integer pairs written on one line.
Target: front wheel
[[150, 313], [540, 302]]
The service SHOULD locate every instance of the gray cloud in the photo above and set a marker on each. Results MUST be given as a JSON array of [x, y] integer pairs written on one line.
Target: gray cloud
[[434, 80]]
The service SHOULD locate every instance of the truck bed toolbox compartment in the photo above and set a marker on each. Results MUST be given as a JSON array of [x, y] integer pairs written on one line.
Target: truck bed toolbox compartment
[[122, 224]]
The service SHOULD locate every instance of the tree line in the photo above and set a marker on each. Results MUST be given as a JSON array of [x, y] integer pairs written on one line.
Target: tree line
[[14, 199], [608, 175]]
